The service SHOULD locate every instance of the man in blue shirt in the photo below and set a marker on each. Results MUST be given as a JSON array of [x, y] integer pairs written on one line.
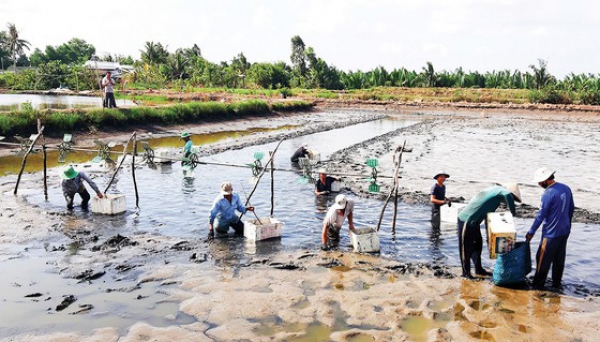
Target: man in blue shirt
[[223, 211], [470, 242], [556, 213], [438, 197]]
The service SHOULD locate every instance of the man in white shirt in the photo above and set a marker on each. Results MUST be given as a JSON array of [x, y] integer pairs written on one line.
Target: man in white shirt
[[109, 92], [332, 224]]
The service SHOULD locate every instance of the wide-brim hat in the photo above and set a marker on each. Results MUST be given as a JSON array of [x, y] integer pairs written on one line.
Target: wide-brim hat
[[185, 135], [542, 174], [340, 202], [440, 174], [69, 173], [514, 190], [226, 188], [322, 170]]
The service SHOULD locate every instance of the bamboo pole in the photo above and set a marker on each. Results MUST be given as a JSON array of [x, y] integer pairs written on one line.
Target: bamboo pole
[[40, 132], [137, 197], [391, 190], [272, 185], [269, 162], [121, 163]]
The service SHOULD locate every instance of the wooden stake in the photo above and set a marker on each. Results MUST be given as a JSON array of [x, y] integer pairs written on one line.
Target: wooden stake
[[137, 197], [262, 173], [121, 163], [40, 132], [396, 186], [272, 184], [394, 189]]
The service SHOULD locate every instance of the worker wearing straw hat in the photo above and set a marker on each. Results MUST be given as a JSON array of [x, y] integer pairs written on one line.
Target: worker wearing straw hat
[[470, 242], [72, 183], [556, 213], [222, 212]]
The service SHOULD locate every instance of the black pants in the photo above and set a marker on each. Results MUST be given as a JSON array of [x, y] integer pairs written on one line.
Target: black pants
[[85, 198], [109, 100], [223, 227], [552, 252], [470, 245], [435, 216]]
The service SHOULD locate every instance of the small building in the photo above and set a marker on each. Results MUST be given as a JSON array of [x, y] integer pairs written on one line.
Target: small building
[[116, 69]]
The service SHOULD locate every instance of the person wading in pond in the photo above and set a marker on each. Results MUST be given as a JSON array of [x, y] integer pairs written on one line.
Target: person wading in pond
[[556, 213], [332, 224], [72, 183], [301, 152], [323, 184], [187, 148], [438, 197], [223, 212], [108, 85], [470, 243]]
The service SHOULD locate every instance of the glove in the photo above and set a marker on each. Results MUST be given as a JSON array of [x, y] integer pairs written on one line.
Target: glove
[[528, 237], [449, 203], [211, 235]]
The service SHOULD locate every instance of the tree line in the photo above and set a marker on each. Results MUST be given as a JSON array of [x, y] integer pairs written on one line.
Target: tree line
[[186, 69]]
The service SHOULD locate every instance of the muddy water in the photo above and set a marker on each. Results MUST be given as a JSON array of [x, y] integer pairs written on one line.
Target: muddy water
[[177, 208]]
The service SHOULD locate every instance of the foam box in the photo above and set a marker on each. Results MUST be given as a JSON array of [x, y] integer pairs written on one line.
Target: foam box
[[450, 214], [501, 233], [270, 228], [110, 204], [336, 186], [161, 153], [365, 240]]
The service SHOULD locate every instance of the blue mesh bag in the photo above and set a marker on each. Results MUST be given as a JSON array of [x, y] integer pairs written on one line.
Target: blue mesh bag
[[512, 267]]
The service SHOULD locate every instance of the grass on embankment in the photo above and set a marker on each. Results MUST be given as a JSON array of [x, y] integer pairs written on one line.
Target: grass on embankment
[[59, 122]]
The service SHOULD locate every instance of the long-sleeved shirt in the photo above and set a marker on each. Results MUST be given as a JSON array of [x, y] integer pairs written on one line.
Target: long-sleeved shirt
[[225, 209], [71, 186], [187, 149], [556, 212], [486, 201]]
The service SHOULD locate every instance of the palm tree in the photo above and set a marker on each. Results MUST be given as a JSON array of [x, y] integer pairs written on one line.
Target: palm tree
[[429, 75], [541, 76], [15, 44]]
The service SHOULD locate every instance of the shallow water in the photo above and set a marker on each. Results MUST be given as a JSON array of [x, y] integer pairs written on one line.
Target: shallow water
[[69, 101], [173, 206]]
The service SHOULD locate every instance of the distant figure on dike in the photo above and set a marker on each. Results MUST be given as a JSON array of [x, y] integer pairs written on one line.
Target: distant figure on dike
[[222, 212], [72, 183], [470, 243], [108, 85], [556, 213]]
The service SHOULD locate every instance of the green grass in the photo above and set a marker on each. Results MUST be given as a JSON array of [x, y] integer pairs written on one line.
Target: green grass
[[60, 122]]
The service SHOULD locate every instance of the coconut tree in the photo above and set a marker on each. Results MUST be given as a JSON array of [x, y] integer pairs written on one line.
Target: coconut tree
[[15, 44], [541, 76], [429, 75]]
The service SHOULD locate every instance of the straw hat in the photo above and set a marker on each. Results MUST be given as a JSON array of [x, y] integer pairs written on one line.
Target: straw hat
[[542, 174], [340, 202], [514, 190], [69, 173], [440, 174], [226, 188]]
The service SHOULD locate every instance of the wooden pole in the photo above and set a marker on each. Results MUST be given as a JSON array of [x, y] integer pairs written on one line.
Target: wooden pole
[[137, 197], [121, 163], [396, 186], [396, 170], [272, 184], [40, 132], [262, 173], [45, 170]]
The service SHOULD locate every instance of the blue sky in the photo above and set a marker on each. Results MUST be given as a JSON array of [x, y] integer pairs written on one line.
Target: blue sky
[[482, 35]]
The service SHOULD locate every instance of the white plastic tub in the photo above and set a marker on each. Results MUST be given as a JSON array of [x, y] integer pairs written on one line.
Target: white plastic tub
[[365, 240], [167, 153], [270, 228], [450, 214], [110, 204], [336, 186]]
